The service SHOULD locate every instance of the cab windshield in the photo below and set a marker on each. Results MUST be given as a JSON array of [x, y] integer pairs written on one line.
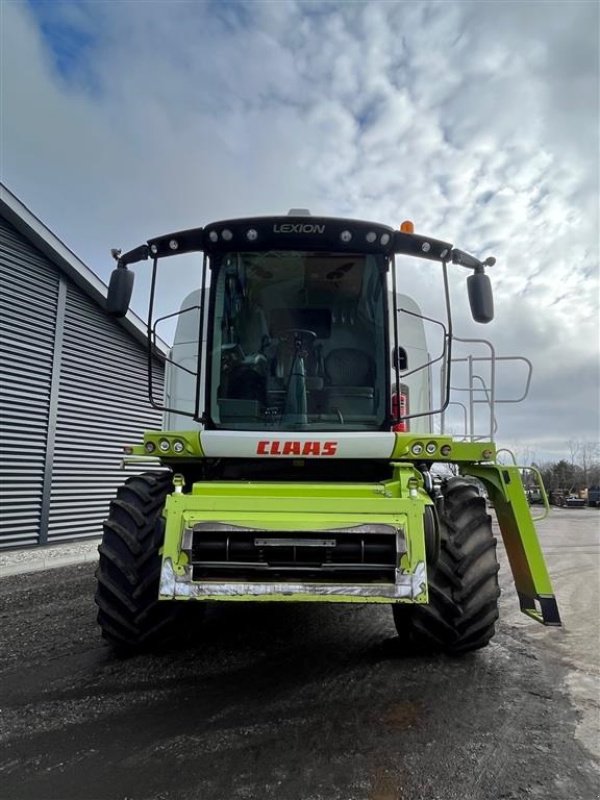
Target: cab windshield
[[298, 341]]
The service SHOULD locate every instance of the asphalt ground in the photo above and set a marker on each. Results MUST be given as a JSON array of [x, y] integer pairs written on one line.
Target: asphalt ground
[[313, 702]]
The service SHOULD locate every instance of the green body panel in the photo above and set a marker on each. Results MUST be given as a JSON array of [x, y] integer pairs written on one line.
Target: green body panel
[[447, 450], [317, 507], [301, 507], [192, 447], [519, 535]]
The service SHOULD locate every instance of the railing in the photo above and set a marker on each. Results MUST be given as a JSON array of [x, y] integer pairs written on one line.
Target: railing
[[479, 392]]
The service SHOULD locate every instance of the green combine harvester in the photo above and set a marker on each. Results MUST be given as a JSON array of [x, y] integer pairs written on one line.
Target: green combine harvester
[[298, 444]]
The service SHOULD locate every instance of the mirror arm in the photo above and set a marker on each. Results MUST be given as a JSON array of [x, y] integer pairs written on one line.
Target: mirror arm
[[470, 262], [140, 253]]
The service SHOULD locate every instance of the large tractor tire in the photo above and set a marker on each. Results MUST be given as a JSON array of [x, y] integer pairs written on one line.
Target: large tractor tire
[[128, 573], [463, 584]]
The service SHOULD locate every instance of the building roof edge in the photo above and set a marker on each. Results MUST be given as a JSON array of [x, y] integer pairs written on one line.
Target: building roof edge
[[30, 226]]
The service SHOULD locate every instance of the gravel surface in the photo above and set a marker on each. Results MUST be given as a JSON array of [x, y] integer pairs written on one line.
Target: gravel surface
[[36, 559], [312, 702]]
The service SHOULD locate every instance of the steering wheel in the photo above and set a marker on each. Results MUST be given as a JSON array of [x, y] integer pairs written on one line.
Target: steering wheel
[[300, 337]]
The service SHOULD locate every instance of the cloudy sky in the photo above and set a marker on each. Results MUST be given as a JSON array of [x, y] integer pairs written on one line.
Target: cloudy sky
[[479, 121]]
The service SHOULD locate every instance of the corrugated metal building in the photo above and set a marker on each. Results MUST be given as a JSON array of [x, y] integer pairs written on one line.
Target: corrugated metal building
[[73, 387]]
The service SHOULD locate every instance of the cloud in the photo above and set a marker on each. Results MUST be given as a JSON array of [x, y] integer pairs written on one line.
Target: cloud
[[478, 121]]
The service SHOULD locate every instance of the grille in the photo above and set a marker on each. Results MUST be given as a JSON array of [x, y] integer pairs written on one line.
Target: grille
[[364, 554]]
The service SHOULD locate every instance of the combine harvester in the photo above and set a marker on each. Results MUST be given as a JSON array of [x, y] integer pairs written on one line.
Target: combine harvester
[[298, 445]]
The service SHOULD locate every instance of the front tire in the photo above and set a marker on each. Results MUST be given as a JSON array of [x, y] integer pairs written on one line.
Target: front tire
[[463, 584], [129, 612]]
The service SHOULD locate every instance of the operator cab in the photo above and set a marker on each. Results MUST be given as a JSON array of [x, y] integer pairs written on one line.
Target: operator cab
[[298, 325]]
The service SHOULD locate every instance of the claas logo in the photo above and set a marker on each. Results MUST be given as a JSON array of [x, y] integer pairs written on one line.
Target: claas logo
[[276, 447]]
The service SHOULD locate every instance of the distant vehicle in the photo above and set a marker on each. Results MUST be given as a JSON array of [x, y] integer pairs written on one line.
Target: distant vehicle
[[572, 501], [593, 498]]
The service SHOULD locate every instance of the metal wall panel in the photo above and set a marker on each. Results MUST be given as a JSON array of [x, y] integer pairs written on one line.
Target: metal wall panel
[[29, 288], [73, 391], [102, 406]]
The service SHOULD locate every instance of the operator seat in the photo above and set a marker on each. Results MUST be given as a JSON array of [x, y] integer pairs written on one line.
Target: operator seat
[[350, 376]]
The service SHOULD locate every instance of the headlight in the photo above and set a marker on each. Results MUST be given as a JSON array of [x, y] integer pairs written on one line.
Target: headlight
[[164, 445], [178, 446]]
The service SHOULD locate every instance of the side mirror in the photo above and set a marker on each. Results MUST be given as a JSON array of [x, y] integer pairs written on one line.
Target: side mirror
[[481, 298], [119, 292]]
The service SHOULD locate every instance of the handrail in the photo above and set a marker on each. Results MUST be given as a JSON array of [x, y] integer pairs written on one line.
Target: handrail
[[544, 496], [538, 479], [478, 391]]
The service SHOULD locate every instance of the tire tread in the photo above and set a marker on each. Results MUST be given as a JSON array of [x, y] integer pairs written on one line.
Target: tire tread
[[463, 585], [128, 572]]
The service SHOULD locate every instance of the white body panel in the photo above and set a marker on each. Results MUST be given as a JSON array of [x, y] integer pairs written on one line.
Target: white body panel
[[290, 444], [411, 335], [180, 386]]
